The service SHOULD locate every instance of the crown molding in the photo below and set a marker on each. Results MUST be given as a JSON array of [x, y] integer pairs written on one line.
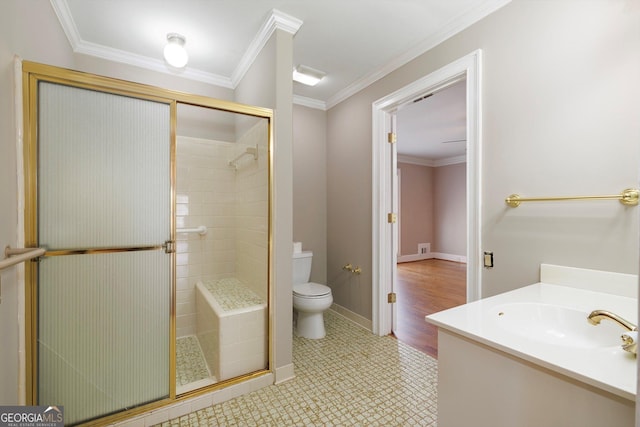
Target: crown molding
[[421, 161], [285, 22], [450, 29], [276, 21], [450, 161], [116, 55], [309, 102], [62, 11], [413, 160]]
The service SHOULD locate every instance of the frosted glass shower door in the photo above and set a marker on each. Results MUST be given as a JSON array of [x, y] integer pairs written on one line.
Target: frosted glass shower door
[[104, 284]]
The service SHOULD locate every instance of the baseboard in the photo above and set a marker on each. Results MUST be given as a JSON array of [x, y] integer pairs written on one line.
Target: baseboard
[[432, 255], [284, 373], [449, 257], [354, 317], [414, 257]]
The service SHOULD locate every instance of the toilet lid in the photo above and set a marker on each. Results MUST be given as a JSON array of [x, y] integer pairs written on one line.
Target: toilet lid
[[311, 289]]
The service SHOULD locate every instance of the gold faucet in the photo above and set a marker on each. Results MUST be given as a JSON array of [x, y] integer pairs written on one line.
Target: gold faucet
[[597, 315], [628, 343]]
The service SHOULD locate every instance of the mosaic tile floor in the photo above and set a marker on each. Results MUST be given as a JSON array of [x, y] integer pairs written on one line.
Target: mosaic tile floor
[[232, 294], [349, 378], [190, 363]]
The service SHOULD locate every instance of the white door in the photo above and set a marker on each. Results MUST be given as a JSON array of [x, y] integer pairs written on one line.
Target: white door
[[394, 225]]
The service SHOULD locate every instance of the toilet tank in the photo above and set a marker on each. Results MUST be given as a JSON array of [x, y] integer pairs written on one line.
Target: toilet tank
[[302, 267]]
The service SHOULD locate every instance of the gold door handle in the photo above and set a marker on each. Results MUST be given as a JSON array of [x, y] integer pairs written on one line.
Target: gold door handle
[[169, 247]]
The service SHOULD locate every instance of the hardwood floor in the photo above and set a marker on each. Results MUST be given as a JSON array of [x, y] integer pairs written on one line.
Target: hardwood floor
[[425, 287]]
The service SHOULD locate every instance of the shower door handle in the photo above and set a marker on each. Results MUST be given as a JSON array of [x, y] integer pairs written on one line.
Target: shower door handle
[[169, 247]]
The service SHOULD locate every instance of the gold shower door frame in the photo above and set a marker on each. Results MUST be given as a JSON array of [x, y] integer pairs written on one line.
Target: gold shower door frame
[[32, 74]]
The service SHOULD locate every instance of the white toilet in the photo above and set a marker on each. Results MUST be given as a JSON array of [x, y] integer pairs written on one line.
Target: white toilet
[[310, 300]]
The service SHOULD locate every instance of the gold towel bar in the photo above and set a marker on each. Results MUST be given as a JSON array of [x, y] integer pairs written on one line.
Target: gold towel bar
[[628, 197]]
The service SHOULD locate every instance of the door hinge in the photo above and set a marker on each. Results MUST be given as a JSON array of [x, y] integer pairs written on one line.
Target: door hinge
[[169, 247], [391, 297], [391, 138], [392, 218]]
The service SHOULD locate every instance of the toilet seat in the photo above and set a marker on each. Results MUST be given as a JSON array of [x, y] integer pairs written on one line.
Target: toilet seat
[[311, 290]]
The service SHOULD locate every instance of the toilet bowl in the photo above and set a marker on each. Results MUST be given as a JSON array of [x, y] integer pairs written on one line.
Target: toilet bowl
[[310, 300]]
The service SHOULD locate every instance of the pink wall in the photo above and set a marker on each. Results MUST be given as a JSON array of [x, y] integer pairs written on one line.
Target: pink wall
[[416, 207], [450, 209], [433, 208]]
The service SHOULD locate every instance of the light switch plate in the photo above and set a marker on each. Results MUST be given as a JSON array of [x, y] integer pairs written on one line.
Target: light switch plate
[[488, 259]]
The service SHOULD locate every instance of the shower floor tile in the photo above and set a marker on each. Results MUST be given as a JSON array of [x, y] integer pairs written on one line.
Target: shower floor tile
[[190, 363]]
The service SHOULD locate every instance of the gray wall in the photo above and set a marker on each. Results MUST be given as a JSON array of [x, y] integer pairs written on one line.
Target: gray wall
[[310, 186], [349, 201], [48, 45], [560, 89], [268, 84]]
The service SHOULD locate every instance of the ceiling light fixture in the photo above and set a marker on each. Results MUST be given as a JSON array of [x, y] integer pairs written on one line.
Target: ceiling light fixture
[[174, 52], [307, 75]]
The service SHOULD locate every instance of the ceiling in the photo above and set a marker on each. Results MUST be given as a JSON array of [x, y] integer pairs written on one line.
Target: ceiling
[[432, 129], [355, 42]]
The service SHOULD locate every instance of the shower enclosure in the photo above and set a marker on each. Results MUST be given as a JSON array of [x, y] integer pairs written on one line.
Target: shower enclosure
[[129, 307], [222, 245]]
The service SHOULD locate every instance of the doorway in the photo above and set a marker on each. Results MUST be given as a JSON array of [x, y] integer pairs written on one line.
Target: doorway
[[432, 223], [384, 168]]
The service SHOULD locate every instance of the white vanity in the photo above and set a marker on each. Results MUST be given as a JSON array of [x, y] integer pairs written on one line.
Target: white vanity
[[529, 357]]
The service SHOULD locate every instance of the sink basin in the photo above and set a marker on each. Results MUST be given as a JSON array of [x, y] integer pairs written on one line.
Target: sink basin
[[556, 325]]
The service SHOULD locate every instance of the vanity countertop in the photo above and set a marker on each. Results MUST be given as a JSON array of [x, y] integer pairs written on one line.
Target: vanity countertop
[[523, 323]]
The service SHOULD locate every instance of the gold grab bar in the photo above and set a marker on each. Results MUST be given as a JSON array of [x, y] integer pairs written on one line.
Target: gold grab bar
[[167, 246], [17, 255], [628, 197]]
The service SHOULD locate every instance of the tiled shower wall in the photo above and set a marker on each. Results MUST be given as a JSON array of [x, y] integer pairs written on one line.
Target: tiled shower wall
[[205, 196], [252, 207], [233, 205]]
